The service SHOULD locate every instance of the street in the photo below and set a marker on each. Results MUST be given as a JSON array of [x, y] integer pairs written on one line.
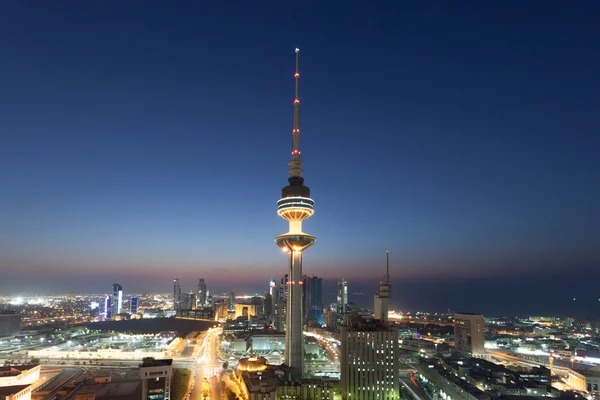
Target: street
[[208, 368]]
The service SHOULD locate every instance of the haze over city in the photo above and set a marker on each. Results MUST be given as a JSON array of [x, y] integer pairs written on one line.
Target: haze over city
[[143, 143]]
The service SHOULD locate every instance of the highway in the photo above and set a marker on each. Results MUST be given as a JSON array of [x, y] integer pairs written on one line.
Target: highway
[[407, 379], [208, 368]]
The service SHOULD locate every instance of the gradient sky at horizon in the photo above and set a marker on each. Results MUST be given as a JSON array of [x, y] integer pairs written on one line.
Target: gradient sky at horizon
[[143, 141]]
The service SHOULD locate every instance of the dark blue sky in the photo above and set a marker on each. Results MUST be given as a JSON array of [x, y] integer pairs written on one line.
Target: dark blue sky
[[147, 140]]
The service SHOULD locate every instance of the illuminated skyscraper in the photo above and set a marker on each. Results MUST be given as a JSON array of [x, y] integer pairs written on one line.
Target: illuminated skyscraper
[[295, 206], [117, 299], [232, 301], [369, 361], [202, 293], [107, 307], [342, 297], [313, 298], [176, 294], [133, 305]]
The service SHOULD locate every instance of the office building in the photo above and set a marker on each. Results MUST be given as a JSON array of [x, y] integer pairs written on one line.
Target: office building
[[189, 301], [295, 206], [246, 311], [313, 299], [108, 310], [221, 310], [231, 301], [274, 296], [10, 323], [380, 310], [176, 294], [117, 300], [283, 286], [133, 305], [342, 297], [156, 379], [95, 309], [202, 293], [468, 334], [369, 361], [279, 314]]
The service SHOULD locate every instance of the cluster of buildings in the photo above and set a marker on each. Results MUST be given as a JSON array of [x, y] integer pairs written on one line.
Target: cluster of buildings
[[199, 300]]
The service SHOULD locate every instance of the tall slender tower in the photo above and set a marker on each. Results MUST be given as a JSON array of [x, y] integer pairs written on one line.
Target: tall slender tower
[[295, 206], [382, 297]]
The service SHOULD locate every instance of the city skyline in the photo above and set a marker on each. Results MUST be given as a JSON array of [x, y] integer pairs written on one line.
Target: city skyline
[[474, 155]]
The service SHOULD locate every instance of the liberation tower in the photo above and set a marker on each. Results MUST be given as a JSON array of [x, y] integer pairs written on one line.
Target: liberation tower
[[295, 206]]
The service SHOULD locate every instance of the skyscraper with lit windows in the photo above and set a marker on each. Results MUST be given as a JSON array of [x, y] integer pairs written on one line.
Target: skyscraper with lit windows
[[369, 361], [117, 300]]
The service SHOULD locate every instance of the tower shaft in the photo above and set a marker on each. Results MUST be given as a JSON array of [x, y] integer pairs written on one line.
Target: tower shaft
[[294, 319]]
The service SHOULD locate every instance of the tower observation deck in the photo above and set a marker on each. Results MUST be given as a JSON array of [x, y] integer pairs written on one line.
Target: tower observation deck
[[295, 206]]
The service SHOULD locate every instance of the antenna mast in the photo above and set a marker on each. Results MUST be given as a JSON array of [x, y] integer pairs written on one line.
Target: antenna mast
[[387, 273], [296, 163]]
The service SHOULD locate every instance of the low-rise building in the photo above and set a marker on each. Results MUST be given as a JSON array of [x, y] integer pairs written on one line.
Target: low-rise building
[[156, 379], [584, 380], [19, 374], [17, 392]]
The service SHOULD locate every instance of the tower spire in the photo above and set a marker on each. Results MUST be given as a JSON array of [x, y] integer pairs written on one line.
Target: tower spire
[[387, 273], [296, 163]]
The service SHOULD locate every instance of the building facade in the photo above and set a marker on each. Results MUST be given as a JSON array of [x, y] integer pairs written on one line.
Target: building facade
[[133, 305], [342, 297], [313, 299], [468, 334], [156, 379], [10, 323], [369, 361], [117, 300]]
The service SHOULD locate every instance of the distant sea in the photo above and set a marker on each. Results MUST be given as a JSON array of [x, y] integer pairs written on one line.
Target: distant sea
[[524, 296]]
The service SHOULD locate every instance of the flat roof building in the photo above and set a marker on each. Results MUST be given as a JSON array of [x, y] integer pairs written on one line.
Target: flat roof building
[[369, 361], [156, 379], [468, 334], [10, 323]]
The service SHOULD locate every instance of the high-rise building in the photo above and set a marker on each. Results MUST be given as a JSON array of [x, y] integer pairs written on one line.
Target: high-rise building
[[202, 293], [117, 300], [95, 309], [189, 301], [342, 297], [221, 310], [369, 361], [273, 296], [107, 307], [176, 294], [232, 301], [295, 206], [283, 286], [156, 379], [133, 305], [380, 310], [279, 315], [313, 299], [468, 334]]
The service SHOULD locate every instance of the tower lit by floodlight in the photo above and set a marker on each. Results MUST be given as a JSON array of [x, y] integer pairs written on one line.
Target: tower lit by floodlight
[[295, 206]]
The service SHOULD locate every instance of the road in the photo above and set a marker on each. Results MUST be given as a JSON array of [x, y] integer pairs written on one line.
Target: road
[[407, 379], [515, 359], [208, 367], [60, 381]]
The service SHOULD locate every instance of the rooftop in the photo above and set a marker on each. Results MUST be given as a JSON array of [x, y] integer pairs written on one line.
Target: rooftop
[[10, 390], [157, 363]]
